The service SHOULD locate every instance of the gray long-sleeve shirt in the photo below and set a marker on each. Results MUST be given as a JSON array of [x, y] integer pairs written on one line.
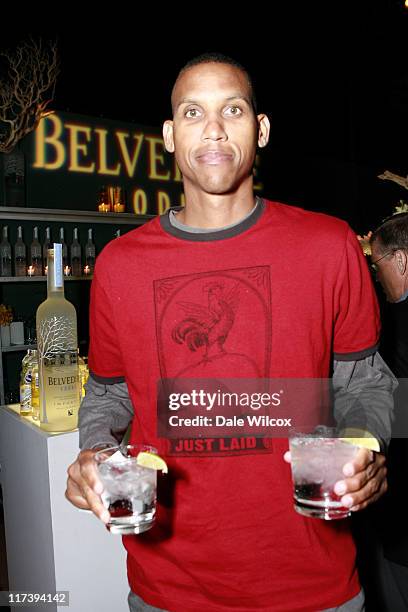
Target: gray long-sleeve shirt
[[363, 399]]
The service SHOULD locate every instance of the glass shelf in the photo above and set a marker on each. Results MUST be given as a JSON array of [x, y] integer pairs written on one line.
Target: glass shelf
[[39, 279], [14, 348], [73, 216]]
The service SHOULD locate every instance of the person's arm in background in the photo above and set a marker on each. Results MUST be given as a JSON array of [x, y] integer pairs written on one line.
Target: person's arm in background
[[363, 389], [363, 401], [363, 397]]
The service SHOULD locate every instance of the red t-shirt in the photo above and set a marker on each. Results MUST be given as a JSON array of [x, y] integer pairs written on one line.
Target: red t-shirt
[[286, 289]]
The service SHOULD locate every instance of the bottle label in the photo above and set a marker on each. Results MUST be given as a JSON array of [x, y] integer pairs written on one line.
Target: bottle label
[[35, 393], [25, 397], [58, 273], [61, 390]]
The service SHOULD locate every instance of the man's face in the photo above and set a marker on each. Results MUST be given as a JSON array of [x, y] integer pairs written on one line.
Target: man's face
[[387, 272], [214, 131]]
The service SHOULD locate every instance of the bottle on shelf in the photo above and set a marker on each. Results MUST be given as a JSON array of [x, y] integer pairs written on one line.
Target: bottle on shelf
[[20, 254], [59, 380], [90, 254], [5, 254], [47, 245], [35, 392], [27, 365], [83, 372], [35, 255], [65, 261], [76, 252], [104, 203]]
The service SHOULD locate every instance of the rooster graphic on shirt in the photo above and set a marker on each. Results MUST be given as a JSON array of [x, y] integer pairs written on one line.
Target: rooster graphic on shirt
[[214, 324], [208, 325]]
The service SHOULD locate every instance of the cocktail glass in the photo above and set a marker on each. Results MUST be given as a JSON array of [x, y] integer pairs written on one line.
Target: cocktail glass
[[129, 489], [317, 459]]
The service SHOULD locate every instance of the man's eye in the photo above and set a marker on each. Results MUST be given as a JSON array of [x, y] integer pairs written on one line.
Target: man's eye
[[233, 110], [192, 113]]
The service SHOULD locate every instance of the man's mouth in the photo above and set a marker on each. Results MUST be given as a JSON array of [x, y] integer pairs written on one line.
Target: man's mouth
[[213, 157]]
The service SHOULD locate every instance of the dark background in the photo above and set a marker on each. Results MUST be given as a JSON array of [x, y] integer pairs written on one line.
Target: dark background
[[333, 78]]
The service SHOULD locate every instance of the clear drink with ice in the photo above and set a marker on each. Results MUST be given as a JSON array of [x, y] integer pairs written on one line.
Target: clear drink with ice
[[317, 464], [129, 489]]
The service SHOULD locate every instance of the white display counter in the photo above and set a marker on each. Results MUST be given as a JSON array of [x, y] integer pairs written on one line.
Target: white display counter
[[51, 545]]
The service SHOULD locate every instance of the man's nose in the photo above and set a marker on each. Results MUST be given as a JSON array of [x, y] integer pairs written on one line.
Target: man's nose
[[214, 129]]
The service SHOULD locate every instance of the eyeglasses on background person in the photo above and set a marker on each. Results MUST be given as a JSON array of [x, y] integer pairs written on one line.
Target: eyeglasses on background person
[[373, 264]]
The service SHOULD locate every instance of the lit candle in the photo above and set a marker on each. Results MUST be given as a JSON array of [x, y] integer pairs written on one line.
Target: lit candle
[[46, 270], [86, 270], [104, 208], [119, 208], [30, 271], [67, 270]]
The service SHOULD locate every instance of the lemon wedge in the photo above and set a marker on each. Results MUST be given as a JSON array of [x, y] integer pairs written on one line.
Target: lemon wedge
[[152, 461], [361, 438]]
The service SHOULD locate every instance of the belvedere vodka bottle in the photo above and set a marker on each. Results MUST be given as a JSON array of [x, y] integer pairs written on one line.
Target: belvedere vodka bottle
[[47, 245], [65, 261], [20, 254], [35, 254], [76, 255], [5, 254], [60, 389], [90, 253]]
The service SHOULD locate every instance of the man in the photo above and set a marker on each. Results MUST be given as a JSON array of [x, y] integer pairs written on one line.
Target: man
[[230, 285], [389, 256]]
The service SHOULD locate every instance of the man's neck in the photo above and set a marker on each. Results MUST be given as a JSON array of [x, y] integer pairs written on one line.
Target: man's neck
[[216, 211]]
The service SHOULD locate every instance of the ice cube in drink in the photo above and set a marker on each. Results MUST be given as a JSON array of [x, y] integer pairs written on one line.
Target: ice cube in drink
[[317, 464]]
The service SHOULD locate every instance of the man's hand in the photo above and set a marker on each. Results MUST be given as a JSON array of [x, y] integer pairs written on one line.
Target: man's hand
[[365, 480], [84, 487]]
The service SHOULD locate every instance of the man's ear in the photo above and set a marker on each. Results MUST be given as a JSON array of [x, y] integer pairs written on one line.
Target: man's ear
[[263, 130], [168, 136], [402, 261]]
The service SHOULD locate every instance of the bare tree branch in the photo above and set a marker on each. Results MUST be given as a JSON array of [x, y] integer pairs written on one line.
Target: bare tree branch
[[396, 178], [56, 337], [27, 90]]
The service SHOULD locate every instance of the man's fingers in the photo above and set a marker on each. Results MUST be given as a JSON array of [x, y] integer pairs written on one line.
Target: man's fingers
[[86, 500], [74, 495], [90, 475], [363, 458], [83, 472], [371, 493], [95, 504], [84, 487], [365, 487], [361, 478]]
